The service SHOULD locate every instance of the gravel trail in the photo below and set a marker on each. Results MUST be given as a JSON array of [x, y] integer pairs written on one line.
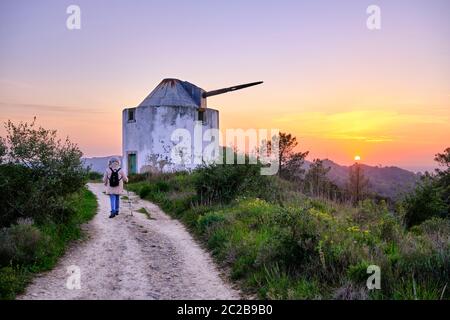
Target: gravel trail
[[133, 257]]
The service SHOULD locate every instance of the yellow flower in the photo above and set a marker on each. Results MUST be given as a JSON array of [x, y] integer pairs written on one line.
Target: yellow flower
[[353, 229]]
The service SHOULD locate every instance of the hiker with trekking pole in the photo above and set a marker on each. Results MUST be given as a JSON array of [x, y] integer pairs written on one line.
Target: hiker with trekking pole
[[113, 179]]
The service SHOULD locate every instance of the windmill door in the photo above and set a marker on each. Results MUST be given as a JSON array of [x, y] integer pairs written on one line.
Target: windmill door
[[132, 163]]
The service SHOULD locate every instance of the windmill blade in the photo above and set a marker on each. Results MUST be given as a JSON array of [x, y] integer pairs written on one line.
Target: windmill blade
[[229, 89]]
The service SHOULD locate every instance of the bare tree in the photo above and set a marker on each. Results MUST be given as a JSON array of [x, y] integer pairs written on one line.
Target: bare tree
[[357, 184]]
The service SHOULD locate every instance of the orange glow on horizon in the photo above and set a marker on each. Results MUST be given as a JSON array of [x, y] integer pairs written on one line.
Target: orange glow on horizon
[[339, 88]]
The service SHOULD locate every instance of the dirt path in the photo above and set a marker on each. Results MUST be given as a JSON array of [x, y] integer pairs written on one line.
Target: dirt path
[[134, 257]]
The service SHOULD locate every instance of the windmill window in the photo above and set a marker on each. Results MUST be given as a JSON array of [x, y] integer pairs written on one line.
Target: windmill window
[[201, 116], [131, 115]]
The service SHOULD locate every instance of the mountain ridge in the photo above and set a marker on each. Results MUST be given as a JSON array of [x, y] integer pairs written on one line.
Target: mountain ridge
[[389, 181]]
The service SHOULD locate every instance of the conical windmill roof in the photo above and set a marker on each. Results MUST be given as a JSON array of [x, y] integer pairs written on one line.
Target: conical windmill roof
[[170, 92]]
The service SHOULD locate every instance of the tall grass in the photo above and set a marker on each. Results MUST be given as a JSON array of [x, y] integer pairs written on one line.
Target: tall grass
[[27, 248], [290, 246]]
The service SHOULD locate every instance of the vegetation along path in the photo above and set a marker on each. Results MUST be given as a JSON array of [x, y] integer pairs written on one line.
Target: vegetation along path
[[144, 256]]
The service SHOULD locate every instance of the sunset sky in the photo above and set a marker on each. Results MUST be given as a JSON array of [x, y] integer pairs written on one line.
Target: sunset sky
[[342, 89]]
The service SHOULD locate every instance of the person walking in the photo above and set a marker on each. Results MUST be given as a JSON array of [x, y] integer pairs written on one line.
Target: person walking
[[113, 179]]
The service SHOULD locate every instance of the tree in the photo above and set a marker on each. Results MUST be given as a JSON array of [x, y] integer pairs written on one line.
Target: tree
[[443, 175], [357, 184], [425, 202], [287, 145], [293, 169], [3, 149], [316, 180], [443, 159], [431, 197], [37, 173], [290, 163]]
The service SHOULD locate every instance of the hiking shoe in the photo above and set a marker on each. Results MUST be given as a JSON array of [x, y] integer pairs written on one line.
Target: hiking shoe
[[112, 215]]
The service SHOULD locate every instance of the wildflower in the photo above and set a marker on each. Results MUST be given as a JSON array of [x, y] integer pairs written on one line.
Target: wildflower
[[353, 229]]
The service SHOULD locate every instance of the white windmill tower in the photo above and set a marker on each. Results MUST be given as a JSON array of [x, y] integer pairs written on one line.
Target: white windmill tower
[[147, 128]]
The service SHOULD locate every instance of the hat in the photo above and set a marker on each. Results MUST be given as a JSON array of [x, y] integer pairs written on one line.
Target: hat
[[112, 160]]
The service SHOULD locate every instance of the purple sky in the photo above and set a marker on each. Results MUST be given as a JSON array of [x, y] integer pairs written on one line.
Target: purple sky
[[325, 73]]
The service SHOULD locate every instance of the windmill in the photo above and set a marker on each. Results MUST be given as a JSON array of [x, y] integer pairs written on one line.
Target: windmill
[[173, 104]]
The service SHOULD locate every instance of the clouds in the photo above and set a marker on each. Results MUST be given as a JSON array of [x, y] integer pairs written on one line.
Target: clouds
[[39, 108], [373, 126]]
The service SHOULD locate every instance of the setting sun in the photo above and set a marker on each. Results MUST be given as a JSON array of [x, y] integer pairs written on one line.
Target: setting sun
[[357, 158]]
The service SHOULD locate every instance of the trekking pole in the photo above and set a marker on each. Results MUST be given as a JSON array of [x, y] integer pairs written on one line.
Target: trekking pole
[[129, 203]]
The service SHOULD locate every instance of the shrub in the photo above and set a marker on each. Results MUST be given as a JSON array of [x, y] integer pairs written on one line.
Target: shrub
[[434, 227], [137, 177], [11, 282], [209, 220], [26, 248], [145, 191], [37, 173], [222, 183], [162, 186], [358, 272], [21, 244], [425, 202], [302, 236], [94, 176], [18, 194]]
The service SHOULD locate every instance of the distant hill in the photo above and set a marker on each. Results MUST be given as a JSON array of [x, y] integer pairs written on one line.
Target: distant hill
[[98, 164], [389, 182]]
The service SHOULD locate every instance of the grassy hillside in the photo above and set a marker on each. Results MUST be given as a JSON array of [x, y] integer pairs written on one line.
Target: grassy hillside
[[27, 248], [280, 244]]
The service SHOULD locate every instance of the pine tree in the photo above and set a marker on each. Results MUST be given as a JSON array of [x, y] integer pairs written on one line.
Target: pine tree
[[290, 162], [316, 180]]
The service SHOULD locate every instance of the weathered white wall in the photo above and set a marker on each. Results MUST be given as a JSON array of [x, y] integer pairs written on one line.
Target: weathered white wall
[[151, 132]]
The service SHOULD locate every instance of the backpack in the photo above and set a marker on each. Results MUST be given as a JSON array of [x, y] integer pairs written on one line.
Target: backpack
[[114, 178]]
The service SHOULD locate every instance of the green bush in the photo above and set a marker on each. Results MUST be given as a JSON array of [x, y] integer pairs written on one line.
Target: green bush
[[94, 176], [11, 282], [18, 193], [222, 183], [358, 272], [43, 202], [162, 186], [209, 220], [437, 228], [22, 244], [27, 248], [145, 191], [427, 201], [37, 173], [137, 177]]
